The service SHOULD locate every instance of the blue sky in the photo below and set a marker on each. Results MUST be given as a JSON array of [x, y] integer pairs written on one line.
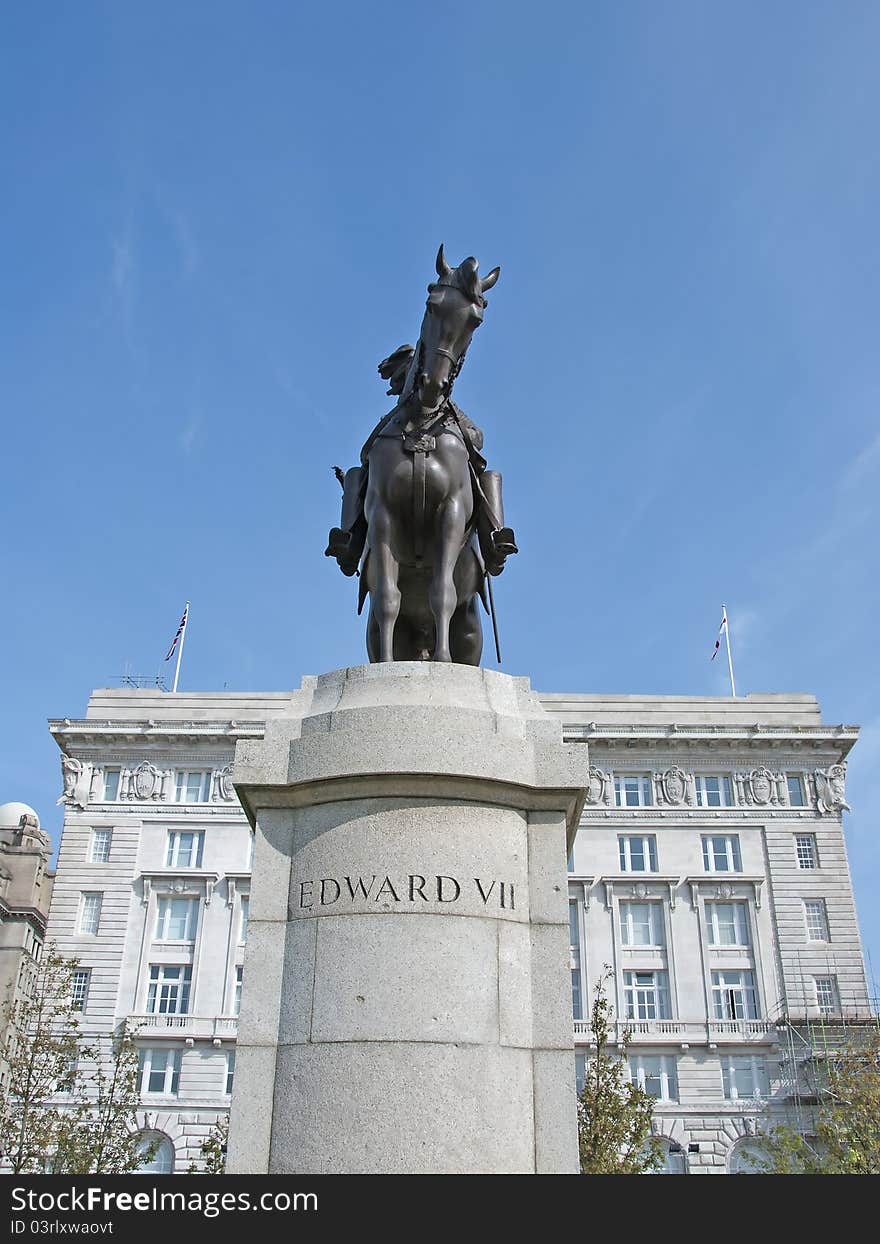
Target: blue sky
[[217, 218]]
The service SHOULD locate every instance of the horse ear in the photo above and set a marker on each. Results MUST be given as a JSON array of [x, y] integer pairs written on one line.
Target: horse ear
[[486, 282], [443, 268]]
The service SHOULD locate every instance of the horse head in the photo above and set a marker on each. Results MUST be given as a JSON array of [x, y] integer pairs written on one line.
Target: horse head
[[453, 311]]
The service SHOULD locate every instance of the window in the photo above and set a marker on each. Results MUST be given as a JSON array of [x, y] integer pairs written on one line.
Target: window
[[641, 924], [816, 917], [744, 1076], [89, 912], [193, 787], [721, 854], [580, 1070], [66, 1082], [646, 995], [795, 785], [655, 1073], [79, 989], [230, 1069], [826, 995], [638, 855], [577, 1002], [176, 919], [162, 1162], [160, 1071], [713, 792], [111, 785], [807, 855], [633, 791], [727, 924], [184, 849], [100, 852], [734, 996], [168, 992], [245, 909], [236, 996]]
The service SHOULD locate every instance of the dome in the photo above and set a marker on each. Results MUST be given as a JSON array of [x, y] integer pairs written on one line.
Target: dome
[[11, 814]]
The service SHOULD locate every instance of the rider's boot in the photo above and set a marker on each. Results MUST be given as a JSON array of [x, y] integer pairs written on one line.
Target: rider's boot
[[497, 542], [346, 543]]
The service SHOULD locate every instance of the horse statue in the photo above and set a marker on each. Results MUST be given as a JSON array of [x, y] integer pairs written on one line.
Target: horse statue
[[422, 518]]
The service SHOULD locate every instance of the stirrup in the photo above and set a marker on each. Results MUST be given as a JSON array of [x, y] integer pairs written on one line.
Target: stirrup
[[504, 542], [339, 546], [339, 543]]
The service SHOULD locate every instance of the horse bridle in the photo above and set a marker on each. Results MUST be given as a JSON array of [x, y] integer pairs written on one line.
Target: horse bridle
[[457, 364]]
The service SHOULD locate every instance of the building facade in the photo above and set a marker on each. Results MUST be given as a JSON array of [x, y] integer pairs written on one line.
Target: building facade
[[25, 894], [708, 883]]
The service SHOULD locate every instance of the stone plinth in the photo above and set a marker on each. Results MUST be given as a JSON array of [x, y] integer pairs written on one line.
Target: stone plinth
[[407, 1002]]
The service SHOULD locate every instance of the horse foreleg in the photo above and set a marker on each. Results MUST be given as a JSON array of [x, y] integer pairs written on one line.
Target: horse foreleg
[[443, 596], [384, 598], [372, 637]]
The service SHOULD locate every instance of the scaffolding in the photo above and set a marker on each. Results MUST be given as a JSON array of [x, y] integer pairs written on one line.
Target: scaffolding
[[810, 1036]]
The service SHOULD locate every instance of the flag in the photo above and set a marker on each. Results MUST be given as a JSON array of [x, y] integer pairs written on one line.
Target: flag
[[180, 631], [720, 633]]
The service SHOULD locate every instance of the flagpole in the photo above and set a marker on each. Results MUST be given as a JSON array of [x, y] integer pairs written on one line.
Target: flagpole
[[183, 637], [727, 637]]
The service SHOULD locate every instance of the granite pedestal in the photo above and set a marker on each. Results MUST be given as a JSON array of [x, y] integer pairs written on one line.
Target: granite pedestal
[[406, 1004]]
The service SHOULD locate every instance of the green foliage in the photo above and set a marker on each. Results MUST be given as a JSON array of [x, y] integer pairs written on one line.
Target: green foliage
[[66, 1106], [614, 1115], [846, 1136], [213, 1149]]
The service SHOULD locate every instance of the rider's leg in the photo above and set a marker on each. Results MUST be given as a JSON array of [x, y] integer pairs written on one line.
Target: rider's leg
[[346, 543], [497, 542]]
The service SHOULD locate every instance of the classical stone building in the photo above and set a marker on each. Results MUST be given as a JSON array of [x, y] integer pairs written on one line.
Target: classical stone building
[[25, 894], [709, 875]]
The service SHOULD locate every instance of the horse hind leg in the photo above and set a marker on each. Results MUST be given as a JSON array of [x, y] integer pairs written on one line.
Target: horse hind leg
[[466, 633]]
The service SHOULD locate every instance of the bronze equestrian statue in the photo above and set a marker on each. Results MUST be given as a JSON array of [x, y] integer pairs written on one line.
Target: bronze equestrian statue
[[421, 516]]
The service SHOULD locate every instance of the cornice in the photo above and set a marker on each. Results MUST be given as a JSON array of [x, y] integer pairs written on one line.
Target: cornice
[[88, 729], [712, 735]]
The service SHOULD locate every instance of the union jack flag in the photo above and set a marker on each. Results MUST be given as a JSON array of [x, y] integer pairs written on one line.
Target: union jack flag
[[180, 631], [717, 641]]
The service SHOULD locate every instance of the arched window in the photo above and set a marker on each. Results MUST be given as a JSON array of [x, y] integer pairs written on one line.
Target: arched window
[[747, 1157], [162, 1162], [674, 1160]]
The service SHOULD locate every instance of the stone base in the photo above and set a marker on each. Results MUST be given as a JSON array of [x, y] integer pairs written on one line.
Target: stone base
[[406, 1003]]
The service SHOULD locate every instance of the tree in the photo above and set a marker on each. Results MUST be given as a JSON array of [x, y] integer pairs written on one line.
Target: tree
[[66, 1106], [213, 1150], [614, 1115], [40, 1048], [100, 1135], [846, 1137]]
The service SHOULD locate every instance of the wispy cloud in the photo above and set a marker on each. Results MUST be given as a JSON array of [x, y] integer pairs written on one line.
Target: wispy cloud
[[123, 274], [865, 464], [189, 432]]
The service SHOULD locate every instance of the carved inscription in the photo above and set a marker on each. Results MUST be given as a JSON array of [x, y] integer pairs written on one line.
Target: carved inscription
[[324, 892]]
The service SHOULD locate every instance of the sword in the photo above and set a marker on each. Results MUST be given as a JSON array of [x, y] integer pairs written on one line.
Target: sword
[[494, 620]]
